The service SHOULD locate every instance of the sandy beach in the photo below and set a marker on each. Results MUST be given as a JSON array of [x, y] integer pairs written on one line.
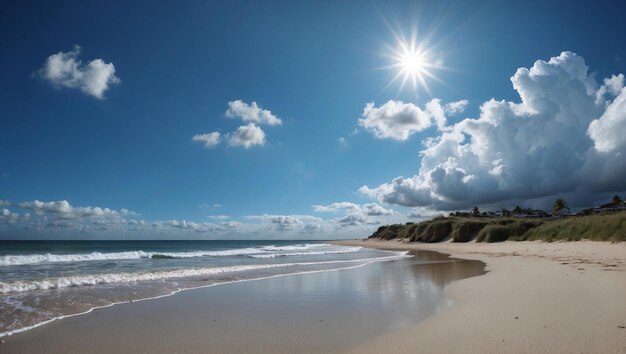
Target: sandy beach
[[561, 297], [536, 297], [323, 312]]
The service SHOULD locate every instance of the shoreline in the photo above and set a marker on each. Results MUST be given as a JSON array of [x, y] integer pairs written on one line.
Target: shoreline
[[31, 327], [537, 297], [321, 311]]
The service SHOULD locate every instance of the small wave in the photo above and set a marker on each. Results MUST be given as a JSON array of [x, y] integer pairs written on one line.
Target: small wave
[[13, 260], [312, 253], [301, 247], [89, 280], [161, 256]]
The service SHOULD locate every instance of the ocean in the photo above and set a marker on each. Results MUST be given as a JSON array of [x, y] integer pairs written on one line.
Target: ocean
[[45, 280]]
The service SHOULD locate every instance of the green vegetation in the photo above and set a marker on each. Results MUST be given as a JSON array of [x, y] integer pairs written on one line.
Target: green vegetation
[[610, 227], [559, 205]]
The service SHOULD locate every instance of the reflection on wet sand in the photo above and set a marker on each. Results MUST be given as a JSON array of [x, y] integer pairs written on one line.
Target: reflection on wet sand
[[323, 312]]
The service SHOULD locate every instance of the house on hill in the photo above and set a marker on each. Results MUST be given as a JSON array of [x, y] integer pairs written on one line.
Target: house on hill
[[610, 207]]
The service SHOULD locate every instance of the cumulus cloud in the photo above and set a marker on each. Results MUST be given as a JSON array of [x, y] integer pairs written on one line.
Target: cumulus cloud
[[288, 222], [423, 213], [63, 69], [246, 136], [209, 140], [612, 86], [355, 214], [564, 136], [9, 217], [607, 132], [454, 108], [62, 219], [62, 209], [397, 120], [371, 209], [185, 225], [251, 113]]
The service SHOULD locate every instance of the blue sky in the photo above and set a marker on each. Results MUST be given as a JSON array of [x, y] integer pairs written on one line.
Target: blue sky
[[70, 144]]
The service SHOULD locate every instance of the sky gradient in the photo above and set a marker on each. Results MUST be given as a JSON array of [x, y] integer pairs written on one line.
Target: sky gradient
[[283, 119]]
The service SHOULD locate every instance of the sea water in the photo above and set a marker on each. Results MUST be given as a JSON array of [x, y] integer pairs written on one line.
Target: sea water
[[44, 280]]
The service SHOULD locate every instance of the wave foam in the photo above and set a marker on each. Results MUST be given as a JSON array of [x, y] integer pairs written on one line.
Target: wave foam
[[305, 246], [12, 260], [312, 253], [89, 280], [297, 250]]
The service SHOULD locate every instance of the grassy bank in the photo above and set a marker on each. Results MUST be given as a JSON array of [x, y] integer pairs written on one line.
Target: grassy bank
[[610, 227]]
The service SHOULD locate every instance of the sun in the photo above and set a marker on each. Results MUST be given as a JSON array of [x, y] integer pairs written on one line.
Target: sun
[[413, 61], [413, 64]]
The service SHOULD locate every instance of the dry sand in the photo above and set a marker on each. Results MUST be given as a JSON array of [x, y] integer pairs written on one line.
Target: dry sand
[[561, 297]]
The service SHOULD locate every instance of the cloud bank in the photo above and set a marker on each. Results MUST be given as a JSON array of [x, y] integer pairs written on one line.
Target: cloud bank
[[59, 219], [63, 69], [564, 136]]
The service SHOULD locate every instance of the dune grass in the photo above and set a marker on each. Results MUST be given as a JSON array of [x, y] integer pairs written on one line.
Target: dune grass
[[610, 227]]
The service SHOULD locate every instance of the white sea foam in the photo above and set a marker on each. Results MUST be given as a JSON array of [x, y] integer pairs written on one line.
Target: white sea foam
[[348, 266], [94, 279], [14, 260], [343, 250], [296, 247], [11, 260]]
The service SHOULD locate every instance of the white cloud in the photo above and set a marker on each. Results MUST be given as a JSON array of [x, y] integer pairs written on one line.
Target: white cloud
[[352, 220], [210, 140], [371, 209], [251, 113], [423, 213], [9, 217], [612, 86], [247, 136], [65, 70], [288, 222], [185, 225], [398, 120], [559, 139], [213, 206], [64, 210], [355, 214], [219, 217], [608, 131], [61, 219], [454, 108]]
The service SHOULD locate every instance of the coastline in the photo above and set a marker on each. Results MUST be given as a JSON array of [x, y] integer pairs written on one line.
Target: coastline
[[537, 297], [322, 311]]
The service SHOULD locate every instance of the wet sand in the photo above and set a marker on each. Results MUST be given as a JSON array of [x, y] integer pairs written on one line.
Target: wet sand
[[560, 297], [318, 312]]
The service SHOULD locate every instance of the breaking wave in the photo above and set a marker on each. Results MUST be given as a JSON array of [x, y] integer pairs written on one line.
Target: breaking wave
[[108, 278]]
